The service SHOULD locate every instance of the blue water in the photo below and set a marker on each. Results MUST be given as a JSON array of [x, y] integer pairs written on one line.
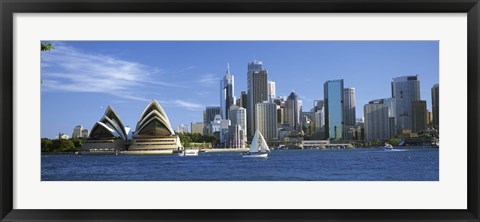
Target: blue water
[[417, 164]]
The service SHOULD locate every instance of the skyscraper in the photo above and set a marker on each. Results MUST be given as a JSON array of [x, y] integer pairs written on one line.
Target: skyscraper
[[85, 133], [208, 117], [419, 118], [182, 128], [77, 131], [271, 90], [293, 110], [227, 97], [405, 90], [349, 106], [333, 100], [257, 93], [196, 127], [376, 120], [266, 120], [243, 99], [237, 132], [435, 105]]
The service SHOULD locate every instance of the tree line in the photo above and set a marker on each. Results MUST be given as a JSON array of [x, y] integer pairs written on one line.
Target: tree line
[[61, 145], [188, 138]]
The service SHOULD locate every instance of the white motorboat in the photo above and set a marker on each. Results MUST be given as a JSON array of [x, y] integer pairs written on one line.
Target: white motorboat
[[259, 147], [188, 153], [388, 146]]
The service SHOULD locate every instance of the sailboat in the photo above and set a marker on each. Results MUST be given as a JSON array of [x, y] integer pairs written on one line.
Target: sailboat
[[259, 147]]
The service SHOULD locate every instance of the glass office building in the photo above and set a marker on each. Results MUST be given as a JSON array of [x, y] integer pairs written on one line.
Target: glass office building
[[334, 109]]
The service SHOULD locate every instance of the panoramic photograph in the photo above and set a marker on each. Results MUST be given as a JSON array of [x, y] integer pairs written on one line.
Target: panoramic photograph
[[239, 110]]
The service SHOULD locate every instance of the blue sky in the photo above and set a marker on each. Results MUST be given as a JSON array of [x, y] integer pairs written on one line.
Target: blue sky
[[81, 78]]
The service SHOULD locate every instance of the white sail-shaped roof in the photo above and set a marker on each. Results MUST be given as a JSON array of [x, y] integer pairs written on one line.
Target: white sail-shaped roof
[[109, 125], [154, 121]]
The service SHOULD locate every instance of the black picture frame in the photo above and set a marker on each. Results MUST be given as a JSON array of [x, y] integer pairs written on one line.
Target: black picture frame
[[9, 7]]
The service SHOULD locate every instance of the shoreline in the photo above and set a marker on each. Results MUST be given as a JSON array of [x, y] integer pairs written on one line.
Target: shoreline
[[215, 150]]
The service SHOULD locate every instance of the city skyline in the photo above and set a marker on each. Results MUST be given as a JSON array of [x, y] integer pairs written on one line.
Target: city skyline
[[124, 75]]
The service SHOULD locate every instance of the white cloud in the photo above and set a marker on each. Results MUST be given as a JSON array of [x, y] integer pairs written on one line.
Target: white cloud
[[209, 80], [188, 105], [71, 70]]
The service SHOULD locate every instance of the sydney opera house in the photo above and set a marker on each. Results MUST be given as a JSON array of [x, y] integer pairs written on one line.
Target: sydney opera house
[[153, 133]]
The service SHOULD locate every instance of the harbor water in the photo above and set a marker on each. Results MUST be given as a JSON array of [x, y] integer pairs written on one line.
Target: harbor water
[[412, 164]]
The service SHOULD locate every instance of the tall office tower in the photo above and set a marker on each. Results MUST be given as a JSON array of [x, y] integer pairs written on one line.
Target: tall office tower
[[429, 118], [196, 127], [435, 105], [280, 101], [293, 110], [266, 120], [208, 116], [405, 90], [349, 106], [419, 118], [317, 105], [237, 132], [77, 131], [182, 128], [257, 93], [376, 120], [243, 99], [227, 96], [85, 133], [271, 90], [333, 102]]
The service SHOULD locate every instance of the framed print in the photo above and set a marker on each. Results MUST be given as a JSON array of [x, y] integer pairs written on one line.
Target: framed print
[[212, 110]]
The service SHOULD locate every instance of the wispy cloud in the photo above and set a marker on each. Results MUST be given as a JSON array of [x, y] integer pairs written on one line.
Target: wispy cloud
[[71, 70], [188, 105], [208, 80]]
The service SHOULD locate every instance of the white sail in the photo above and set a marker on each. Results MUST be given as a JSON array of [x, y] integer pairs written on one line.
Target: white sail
[[264, 144], [254, 145]]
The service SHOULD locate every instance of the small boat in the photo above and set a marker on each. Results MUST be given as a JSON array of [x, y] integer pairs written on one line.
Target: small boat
[[388, 146], [259, 147], [188, 153]]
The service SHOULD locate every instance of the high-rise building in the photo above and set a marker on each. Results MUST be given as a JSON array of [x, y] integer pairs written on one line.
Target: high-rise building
[[227, 96], [317, 105], [429, 119], [349, 106], [237, 132], [196, 127], [419, 111], [333, 101], [85, 133], [293, 110], [266, 120], [280, 101], [435, 105], [243, 99], [271, 90], [405, 90], [238, 116], [257, 93], [77, 131], [208, 116], [182, 128], [216, 124], [376, 120]]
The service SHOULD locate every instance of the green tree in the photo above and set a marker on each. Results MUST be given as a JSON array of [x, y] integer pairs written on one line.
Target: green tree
[[78, 143], [46, 145], [46, 46], [62, 145]]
